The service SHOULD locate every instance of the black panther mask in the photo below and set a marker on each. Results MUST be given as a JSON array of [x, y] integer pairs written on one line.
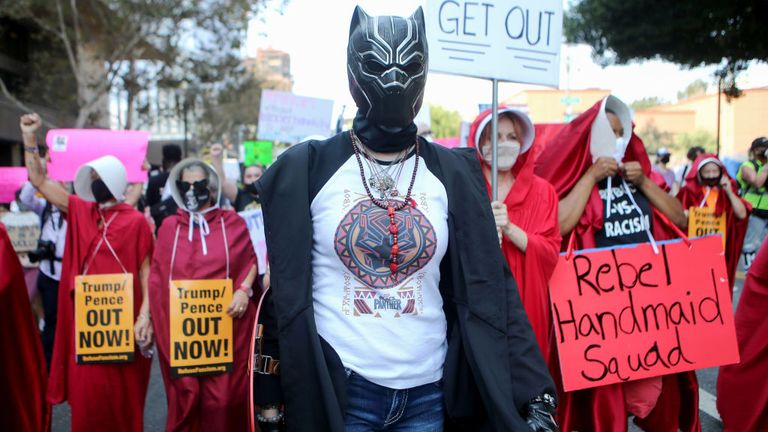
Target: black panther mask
[[387, 67]]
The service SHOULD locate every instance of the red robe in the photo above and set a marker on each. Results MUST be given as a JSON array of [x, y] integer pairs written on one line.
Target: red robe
[[742, 389], [215, 402], [532, 206], [693, 193], [102, 396], [565, 158], [22, 365]]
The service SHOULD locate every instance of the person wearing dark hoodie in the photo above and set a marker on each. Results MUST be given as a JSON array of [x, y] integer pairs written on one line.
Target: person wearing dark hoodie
[[395, 309], [709, 187], [104, 236], [610, 197], [526, 214], [204, 242]]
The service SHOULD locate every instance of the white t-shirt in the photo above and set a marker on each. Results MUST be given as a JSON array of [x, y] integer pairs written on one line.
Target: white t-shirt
[[391, 331]]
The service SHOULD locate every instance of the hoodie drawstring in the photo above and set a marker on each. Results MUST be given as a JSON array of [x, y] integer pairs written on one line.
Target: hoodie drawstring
[[205, 248], [706, 195], [647, 226], [199, 218]]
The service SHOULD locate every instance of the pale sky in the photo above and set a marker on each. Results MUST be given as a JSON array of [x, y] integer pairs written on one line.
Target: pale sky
[[315, 34]]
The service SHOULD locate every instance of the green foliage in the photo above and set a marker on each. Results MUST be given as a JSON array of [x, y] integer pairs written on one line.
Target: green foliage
[[654, 138], [701, 138], [143, 44], [445, 123], [646, 102], [696, 88], [688, 32]]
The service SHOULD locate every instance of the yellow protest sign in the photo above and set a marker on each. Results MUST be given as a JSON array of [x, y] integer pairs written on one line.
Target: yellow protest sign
[[201, 330], [703, 221], [104, 318]]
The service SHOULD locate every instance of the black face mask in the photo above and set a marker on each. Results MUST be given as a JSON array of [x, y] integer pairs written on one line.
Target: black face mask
[[101, 192], [665, 159], [251, 189], [195, 194], [387, 67], [711, 181]]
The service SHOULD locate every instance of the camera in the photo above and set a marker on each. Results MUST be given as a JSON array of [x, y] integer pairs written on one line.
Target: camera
[[46, 250]]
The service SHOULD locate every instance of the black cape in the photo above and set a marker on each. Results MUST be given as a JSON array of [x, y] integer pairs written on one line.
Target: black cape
[[493, 366]]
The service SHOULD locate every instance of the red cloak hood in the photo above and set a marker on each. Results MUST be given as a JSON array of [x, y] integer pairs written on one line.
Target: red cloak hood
[[532, 206], [693, 193], [742, 389], [567, 156], [22, 365]]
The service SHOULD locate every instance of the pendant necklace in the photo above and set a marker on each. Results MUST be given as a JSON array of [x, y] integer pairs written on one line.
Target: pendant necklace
[[390, 205]]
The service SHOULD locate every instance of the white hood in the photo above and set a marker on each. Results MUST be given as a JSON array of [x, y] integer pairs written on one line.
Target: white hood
[[528, 132], [111, 171], [602, 141], [175, 174]]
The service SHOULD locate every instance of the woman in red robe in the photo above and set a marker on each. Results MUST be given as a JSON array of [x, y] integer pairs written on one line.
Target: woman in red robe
[[22, 366], [527, 216], [104, 236], [706, 183], [201, 242], [742, 389], [580, 160]]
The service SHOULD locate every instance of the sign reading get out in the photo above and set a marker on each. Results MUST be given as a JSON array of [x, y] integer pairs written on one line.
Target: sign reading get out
[[515, 41]]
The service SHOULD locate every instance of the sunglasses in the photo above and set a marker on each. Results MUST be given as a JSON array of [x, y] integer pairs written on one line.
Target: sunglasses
[[186, 186]]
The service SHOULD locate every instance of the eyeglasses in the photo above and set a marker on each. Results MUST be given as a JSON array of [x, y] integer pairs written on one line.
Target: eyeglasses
[[186, 186]]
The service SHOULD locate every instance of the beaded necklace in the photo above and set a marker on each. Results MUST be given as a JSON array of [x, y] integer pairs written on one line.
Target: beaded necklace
[[386, 204]]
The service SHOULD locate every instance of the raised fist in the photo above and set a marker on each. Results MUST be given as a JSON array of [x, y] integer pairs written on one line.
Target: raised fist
[[30, 124]]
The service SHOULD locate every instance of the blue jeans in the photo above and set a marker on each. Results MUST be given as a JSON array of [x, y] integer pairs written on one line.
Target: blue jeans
[[371, 407]]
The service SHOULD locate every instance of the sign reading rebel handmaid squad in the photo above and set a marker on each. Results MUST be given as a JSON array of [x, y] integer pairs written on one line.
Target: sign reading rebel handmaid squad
[[516, 41], [628, 313]]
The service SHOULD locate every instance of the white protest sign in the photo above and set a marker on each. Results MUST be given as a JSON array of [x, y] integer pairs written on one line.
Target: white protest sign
[[289, 118], [516, 41], [254, 219]]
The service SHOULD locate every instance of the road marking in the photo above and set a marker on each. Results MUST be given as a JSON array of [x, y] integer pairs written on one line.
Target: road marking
[[708, 404]]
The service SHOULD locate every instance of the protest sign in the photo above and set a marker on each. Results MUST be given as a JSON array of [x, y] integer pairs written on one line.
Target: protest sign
[[201, 330], [257, 153], [11, 179], [627, 313], [702, 221], [104, 318], [286, 117], [494, 39], [71, 148], [24, 230], [254, 220], [231, 170]]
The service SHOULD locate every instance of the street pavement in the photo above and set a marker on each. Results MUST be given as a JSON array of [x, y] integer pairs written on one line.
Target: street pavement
[[156, 408]]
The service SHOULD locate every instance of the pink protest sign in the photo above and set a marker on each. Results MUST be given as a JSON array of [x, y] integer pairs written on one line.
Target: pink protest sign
[[628, 313], [11, 179], [71, 148]]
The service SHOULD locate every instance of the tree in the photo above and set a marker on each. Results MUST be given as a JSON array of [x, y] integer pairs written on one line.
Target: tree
[[445, 123], [655, 138], [696, 88], [646, 102], [130, 45], [687, 32], [700, 138]]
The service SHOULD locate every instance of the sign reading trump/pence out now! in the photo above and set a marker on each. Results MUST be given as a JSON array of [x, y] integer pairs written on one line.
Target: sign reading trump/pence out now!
[[104, 318], [201, 330], [628, 313]]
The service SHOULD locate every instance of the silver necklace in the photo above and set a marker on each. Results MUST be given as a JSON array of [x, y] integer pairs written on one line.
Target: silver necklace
[[383, 179]]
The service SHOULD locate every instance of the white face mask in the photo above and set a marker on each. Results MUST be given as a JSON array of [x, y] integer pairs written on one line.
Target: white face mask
[[621, 148], [508, 154]]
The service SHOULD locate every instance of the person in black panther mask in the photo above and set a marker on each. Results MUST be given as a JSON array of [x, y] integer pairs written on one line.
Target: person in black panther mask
[[392, 311]]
